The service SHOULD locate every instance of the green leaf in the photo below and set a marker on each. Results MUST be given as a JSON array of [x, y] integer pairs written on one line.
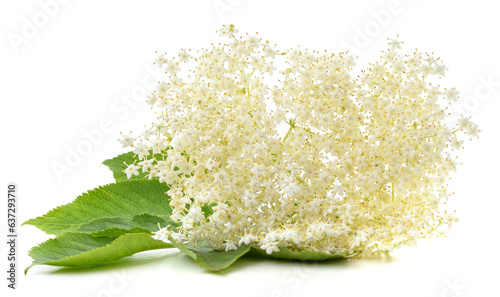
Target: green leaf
[[117, 165], [114, 205], [115, 226], [209, 259], [75, 249], [114, 232], [208, 209], [303, 255]]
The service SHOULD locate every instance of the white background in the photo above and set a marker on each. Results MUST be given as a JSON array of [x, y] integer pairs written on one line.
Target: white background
[[83, 65]]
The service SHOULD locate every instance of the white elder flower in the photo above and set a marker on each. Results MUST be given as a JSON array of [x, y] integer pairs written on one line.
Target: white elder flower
[[146, 165], [230, 246], [318, 157], [126, 140], [166, 176], [439, 69], [158, 146], [464, 123], [161, 60], [270, 247], [450, 218], [172, 67], [451, 94], [152, 99], [457, 144], [184, 56], [228, 30], [254, 41], [179, 237], [394, 44], [141, 150], [247, 239], [269, 52], [474, 130], [132, 169]]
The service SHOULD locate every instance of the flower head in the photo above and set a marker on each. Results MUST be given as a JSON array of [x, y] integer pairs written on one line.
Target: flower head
[[316, 157]]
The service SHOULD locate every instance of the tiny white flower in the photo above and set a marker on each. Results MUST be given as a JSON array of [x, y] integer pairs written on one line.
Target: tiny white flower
[[270, 247], [457, 144], [141, 150], [166, 176], [394, 44], [451, 94], [132, 169], [126, 140], [184, 56], [463, 123], [474, 130], [247, 239], [228, 30], [158, 146], [439, 69], [146, 164], [230, 246], [160, 60], [172, 67], [152, 99]]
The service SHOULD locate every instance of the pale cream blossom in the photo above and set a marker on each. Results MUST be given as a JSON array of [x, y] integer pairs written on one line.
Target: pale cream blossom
[[301, 149]]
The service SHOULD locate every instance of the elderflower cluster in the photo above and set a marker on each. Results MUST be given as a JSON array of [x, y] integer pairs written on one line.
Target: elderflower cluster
[[292, 150]]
